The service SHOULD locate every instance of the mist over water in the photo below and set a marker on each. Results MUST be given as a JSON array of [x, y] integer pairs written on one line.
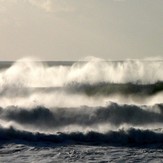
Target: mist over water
[[90, 101]]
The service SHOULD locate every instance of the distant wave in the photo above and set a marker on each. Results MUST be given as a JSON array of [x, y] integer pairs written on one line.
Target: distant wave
[[100, 89], [113, 88], [28, 73]]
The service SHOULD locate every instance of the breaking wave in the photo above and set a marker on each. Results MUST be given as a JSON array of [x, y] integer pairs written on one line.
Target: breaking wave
[[93, 101], [57, 118], [122, 137]]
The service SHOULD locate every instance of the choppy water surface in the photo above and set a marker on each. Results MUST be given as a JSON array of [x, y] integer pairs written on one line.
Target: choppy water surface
[[78, 153]]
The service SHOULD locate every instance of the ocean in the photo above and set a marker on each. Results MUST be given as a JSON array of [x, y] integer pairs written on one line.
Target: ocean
[[85, 111]]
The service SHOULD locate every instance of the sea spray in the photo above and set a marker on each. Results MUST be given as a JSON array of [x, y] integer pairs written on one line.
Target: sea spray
[[90, 101]]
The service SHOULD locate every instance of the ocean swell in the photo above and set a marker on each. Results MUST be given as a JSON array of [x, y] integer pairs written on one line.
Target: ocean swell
[[94, 102]]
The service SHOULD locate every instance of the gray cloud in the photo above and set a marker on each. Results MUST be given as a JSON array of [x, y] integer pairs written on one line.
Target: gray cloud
[[52, 5]]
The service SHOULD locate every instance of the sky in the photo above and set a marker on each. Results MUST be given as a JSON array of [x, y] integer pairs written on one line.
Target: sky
[[74, 29]]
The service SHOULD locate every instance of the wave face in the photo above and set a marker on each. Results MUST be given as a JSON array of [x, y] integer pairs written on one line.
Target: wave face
[[87, 102]]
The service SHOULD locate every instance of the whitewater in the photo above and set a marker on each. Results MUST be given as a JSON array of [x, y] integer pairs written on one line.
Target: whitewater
[[92, 110]]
